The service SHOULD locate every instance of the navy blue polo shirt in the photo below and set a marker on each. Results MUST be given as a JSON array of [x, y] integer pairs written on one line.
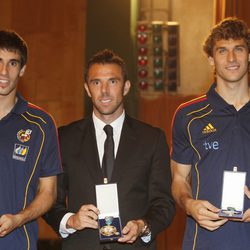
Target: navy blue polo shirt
[[28, 150], [212, 136]]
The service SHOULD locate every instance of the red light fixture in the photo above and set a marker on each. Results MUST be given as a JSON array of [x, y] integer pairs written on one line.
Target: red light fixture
[[142, 51], [142, 73], [142, 60], [142, 38], [142, 27], [143, 85]]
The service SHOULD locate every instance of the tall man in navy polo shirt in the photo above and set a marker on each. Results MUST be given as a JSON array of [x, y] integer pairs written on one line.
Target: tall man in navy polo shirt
[[29, 159], [211, 134]]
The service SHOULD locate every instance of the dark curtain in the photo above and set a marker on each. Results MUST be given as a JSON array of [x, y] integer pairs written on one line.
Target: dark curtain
[[236, 8]]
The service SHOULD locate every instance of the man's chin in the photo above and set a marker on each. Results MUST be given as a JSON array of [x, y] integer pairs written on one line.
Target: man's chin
[[107, 112]]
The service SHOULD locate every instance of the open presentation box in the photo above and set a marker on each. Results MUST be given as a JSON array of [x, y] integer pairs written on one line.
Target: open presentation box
[[110, 228], [232, 204]]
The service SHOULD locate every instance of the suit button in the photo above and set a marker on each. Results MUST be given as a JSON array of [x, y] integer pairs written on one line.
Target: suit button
[[106, 247]]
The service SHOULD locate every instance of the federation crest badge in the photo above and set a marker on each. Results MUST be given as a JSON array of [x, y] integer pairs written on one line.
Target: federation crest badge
[[24, 135], [20, 152]]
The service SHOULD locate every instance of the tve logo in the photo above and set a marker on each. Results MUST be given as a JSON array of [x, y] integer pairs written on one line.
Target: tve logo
[[214, 145]]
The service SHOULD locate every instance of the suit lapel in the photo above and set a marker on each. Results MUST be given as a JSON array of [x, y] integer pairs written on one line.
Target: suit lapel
[[90, 159], [127, 143]]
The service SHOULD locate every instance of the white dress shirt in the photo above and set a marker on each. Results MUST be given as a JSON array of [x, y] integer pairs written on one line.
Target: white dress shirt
[[101, 135]]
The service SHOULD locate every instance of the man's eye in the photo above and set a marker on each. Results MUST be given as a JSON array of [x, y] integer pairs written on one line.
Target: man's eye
[[222, 51], [95, 82], [238, 49], [113, 81], [13, 63]]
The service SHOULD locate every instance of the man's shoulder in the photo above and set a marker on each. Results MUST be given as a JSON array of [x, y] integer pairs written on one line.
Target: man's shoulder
[[141, 126], [193, 106], [75, 126], [39, 115]]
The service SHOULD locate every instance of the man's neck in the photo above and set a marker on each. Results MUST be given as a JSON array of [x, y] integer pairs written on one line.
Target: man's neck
[[6, 104], [236, 94], [108, 119]]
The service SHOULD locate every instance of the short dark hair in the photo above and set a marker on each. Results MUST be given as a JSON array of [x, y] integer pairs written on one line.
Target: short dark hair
[[11, 41], [106, 56], [229, 28]]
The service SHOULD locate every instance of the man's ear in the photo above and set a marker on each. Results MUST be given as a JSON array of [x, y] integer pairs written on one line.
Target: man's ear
[[21, 73], [87, 89], [126, 88], [211, 61]]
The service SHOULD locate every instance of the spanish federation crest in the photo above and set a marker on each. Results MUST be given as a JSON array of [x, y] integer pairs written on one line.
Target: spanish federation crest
[[24, 135]]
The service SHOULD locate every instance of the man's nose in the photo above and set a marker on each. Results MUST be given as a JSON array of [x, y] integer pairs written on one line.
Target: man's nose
[[3, 69], [231, 57], [104, 87]]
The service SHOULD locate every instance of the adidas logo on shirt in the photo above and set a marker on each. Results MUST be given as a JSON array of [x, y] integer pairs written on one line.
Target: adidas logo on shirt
[[209, 129]]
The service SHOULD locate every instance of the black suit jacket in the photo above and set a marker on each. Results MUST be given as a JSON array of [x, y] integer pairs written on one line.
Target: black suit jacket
[[141, 172]]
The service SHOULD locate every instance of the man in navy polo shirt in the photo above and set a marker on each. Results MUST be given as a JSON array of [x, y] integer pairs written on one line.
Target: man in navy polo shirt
[[211, 134], [29, 155]]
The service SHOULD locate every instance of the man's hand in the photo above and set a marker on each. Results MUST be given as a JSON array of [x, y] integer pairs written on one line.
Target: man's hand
[[205, 214], [86, 217], [8, 222], [246, 216], [131, 231]]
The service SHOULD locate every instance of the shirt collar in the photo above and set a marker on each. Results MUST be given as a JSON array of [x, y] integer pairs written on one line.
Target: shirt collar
[[116, 124], [20, 106], [216, 101]]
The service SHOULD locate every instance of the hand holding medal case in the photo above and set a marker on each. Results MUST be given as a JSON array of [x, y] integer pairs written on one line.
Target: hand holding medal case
[[109, 220], [232, 203]]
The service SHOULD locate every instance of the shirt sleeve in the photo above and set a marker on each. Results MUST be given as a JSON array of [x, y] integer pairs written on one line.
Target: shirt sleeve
[[147, 238], [182, 151], [63, 230], [51, 160]]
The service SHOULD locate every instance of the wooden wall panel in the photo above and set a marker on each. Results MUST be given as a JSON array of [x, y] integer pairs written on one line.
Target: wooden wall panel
[[55, 33], [237, 8], [158, 111]]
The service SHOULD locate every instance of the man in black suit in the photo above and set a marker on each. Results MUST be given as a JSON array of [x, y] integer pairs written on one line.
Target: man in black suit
[[141, 168]]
